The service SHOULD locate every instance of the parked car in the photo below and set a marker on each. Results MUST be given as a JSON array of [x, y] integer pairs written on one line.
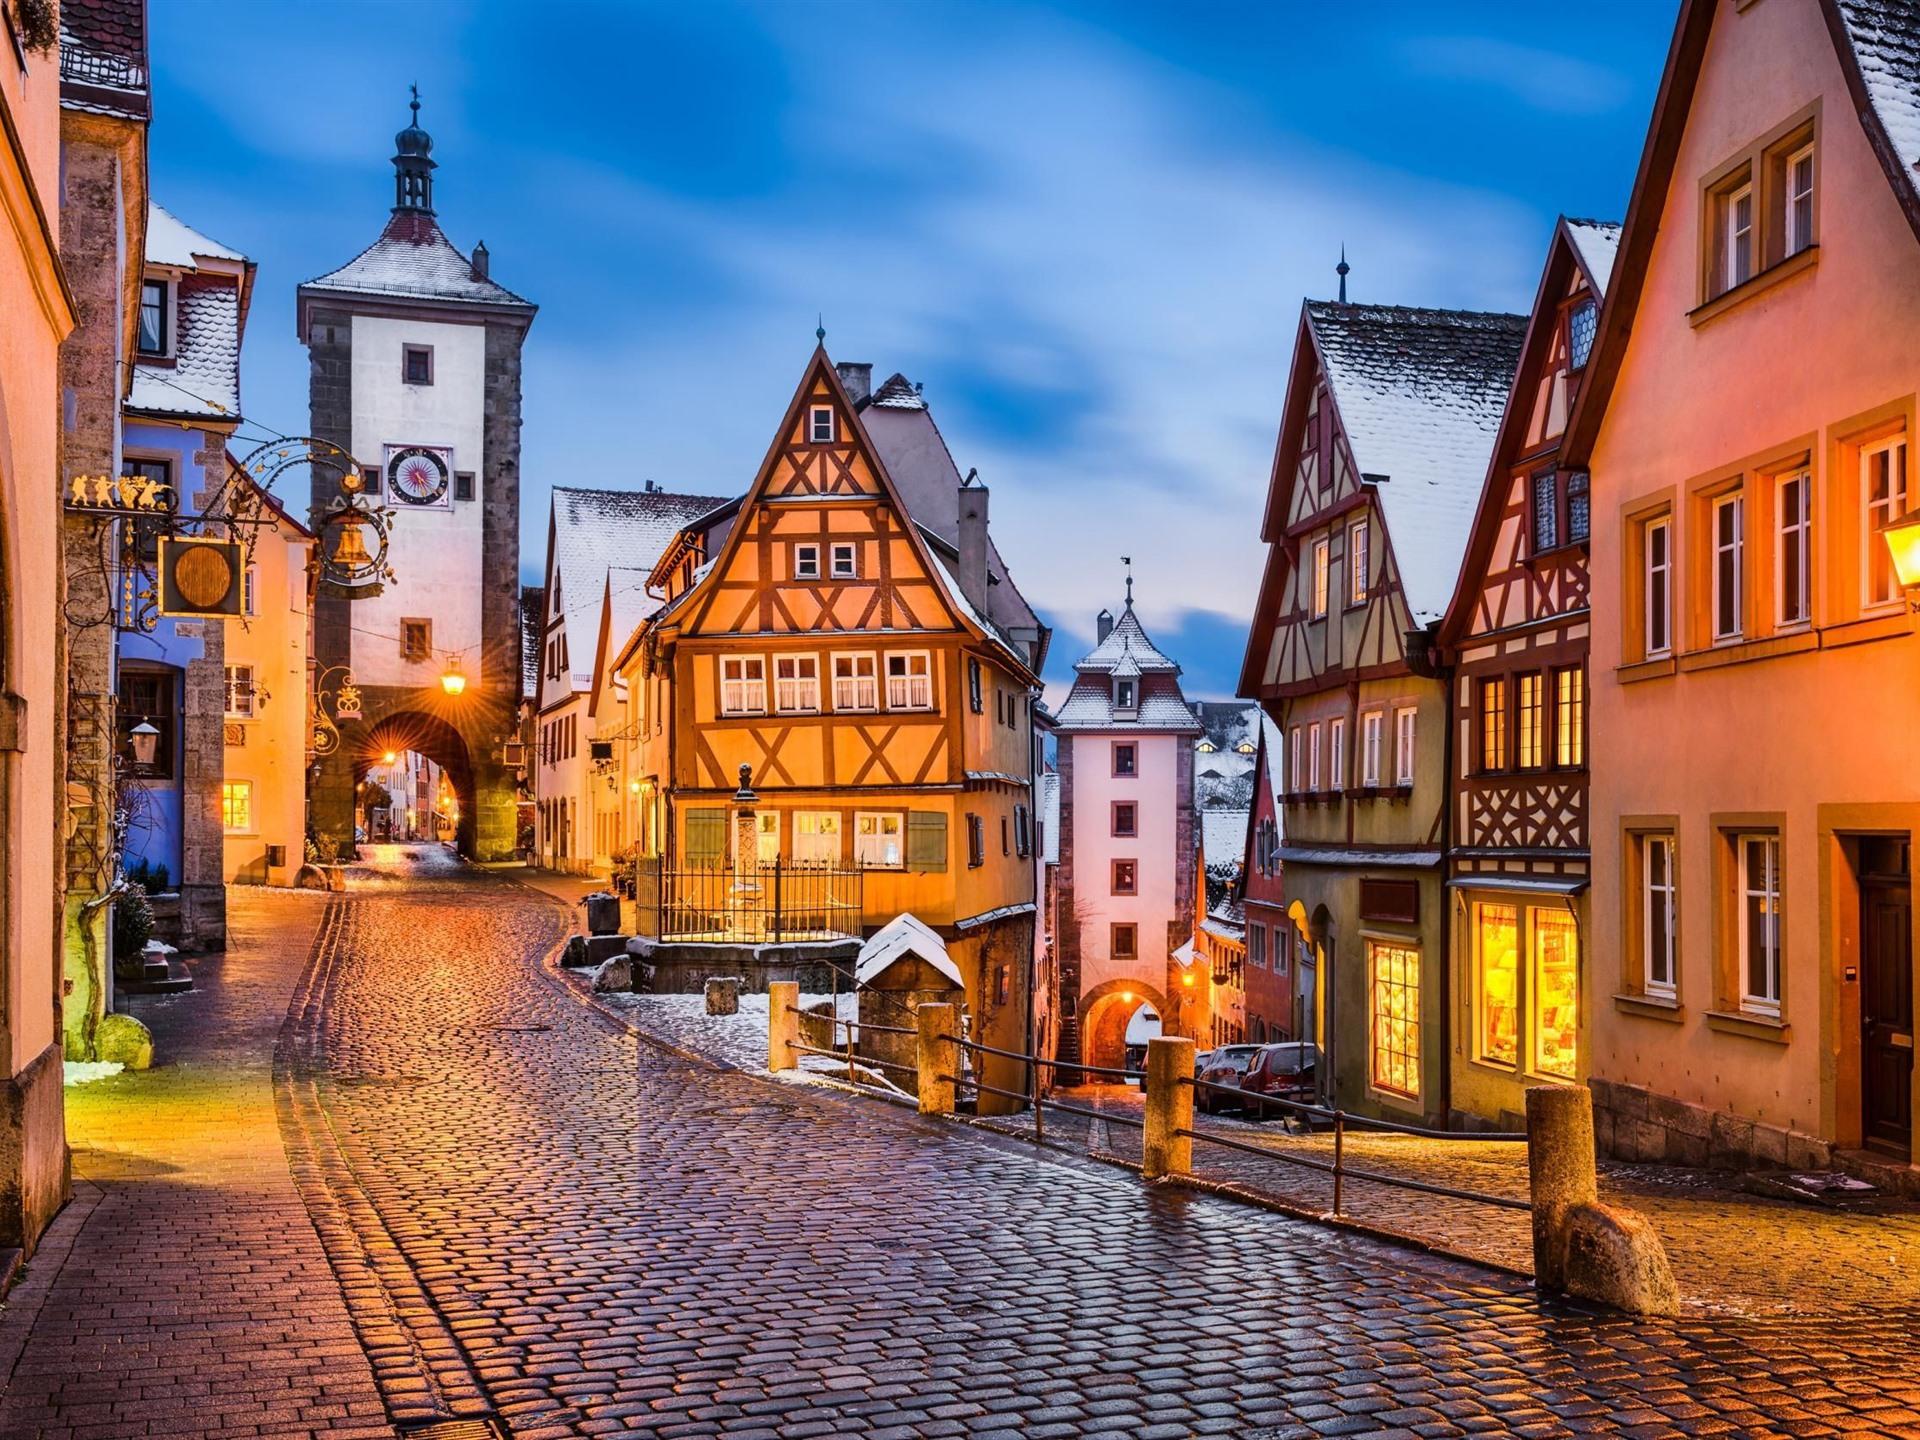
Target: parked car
[[1224, 1067], [1284, 1072], [1135, 1059]]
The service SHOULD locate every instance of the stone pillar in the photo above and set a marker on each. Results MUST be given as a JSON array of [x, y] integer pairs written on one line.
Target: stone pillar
[[1560, 1169], [937, 1057], [1169, 1110], [783, 1025]]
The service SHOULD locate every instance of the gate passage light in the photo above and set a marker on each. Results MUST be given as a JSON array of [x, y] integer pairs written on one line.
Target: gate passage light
[[1903, 543], [453, 681]]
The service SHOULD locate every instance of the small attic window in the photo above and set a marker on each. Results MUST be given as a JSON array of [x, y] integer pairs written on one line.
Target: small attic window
[[155, 337], [1125, 696], [1206, 747], [820, 425]]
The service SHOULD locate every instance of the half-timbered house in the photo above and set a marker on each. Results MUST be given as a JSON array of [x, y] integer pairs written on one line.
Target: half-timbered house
[[1388, 424], [1514, 641], [868, 681]]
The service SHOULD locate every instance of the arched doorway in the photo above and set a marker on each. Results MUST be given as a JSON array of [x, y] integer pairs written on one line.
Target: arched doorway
[[1108, 1012], [426, 761]]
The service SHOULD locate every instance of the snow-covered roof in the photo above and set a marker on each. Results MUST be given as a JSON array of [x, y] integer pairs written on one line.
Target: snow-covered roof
[[1420, 394], [1183, 953], [900, 937], [533, 615], [1276, 782], [598, 531], [1128, 642], [898, 393], [1598, 242], [1223, 836], [1885, 37], [170, 241], [1089, 706], [1227, 921], [1050, 816], [414, 260], [204, 379]]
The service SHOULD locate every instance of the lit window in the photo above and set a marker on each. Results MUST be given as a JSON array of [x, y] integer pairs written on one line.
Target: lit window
[[1657, 586], [766, 837], [806, 562], [1372, 728], [1729, 557], [796, 684], [1337, 753], [1313, 756], [1531, 722], [1658, 891], [1497, 1032], [1359, 560], [236, 805], [1403, 756], [877, 839], [1321, 561], [154, 338], [1758, 862], [1570, 717], [1799, 200], [910, 681], [1554, 981], [844, 562], [1883, 495], [856, 684], [1793, 552], [820, 425], [239, 692], [1393, 973], [743, 685], [1493, 724]]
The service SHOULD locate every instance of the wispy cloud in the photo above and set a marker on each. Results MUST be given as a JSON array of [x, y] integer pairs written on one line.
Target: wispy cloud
[[1542, 79]]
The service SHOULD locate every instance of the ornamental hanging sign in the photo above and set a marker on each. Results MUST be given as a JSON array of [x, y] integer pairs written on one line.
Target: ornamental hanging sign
[[200, 577], [127, 495], [350, 527]]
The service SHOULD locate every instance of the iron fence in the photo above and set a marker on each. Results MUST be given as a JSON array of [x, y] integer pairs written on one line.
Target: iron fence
[[757, 905]]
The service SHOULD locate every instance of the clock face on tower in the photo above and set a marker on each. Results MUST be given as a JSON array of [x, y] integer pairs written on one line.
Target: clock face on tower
[[419, 474]]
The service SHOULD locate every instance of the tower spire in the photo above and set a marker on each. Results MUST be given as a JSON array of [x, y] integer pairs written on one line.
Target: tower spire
[[1341, 270], [413, 164], [1127, 560]]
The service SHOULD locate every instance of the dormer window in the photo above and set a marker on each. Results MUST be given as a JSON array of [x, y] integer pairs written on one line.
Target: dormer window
[[1125, 695], [820, 425], [156, 328]]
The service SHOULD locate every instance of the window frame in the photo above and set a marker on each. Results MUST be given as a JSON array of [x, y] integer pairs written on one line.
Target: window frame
[[816, 433], [1483, 1053], [836, 830], [1114, 807], [1768, 1006], [1131, 931], [232, 688], [1373, 724], [1727, 568], [1530, 720], [806, 560], [1662, 572], [1336, 749], [846, 550], [1793, 242], [1544, 508], [1313, 756], [241, 789], [1359, 560], [164, 313], [1406, 753], [728, 710], [910, 680], [1899, 500], [872, 657], [421, 626], [899, 817], [1793, 535], [1666, 987], [1490, 710], [1123, 876], [797, 680], [1569, 736], [1132, 751], [1730, 202], [1322, 575], [409, 352], [1411, 961]]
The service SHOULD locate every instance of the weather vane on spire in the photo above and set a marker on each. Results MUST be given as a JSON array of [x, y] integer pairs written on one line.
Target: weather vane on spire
[[1127, 560], [415, 89], [1341, 270], [820, 329]]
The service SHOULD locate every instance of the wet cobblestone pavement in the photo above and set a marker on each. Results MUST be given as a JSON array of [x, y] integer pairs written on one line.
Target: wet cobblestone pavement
[[535, 1210]]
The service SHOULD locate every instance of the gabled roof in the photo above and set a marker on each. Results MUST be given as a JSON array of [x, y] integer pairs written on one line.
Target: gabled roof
[[597, 532], [1223, 836], [413, 260], [903, 936], [1420, 394], [1878, 45], [1589, 245], [202, 380], [171, 241], [103, 57], [1127, 652], [533, 615], [1127, 642], [897, 393]]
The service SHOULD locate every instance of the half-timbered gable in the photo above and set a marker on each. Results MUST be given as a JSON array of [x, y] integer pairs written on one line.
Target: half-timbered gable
[[1391, 415], [1514, 641]]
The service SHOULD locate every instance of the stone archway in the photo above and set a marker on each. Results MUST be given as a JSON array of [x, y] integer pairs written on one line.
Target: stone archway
[[1104, 1013], [428, 735]]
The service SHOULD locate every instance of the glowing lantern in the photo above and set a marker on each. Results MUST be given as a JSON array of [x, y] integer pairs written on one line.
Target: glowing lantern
[[1903, 543], [453, 681], [146, 744]]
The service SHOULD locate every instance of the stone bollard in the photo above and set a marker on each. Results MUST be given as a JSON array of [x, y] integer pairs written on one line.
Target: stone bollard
[[783, 1025], [723, 995], [936, 1057], [1163, 1150], [1560, 1169]]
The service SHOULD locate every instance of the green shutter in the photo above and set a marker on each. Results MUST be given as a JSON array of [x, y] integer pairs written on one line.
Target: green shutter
[[926, 840], [706, 837]]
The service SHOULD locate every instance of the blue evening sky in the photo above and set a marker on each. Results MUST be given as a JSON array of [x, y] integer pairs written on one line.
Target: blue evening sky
[[1086, 228]]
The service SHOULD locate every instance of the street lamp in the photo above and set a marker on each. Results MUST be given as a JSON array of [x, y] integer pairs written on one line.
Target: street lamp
[[1903, 543], [146, 744], [453, 681], [389, 758]]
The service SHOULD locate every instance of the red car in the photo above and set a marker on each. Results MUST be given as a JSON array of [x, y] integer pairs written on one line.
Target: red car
[[1223, 1067], [1284, 1072]]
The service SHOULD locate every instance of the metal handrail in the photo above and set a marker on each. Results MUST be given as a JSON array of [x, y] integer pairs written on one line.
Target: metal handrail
[[1340, 1171], [1059, 1105], [1040, 1060], [1364, 1121], [854, 1024]]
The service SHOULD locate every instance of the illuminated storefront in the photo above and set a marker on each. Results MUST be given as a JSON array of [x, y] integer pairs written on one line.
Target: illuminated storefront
[[1393, 973], [1521, 958]]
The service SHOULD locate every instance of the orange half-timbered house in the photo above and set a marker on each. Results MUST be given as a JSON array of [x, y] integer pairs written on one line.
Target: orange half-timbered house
[[1514, 641], [871, 675], [1389, 422]]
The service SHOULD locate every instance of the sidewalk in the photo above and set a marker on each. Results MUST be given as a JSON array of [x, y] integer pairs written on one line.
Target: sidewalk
[[1734, 1253], [184, 1292]]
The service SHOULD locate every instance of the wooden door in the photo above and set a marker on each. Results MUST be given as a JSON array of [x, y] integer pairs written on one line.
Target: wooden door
[[1886, 995]]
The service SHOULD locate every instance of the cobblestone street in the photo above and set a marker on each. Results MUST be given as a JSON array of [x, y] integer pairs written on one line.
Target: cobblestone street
[[533, 1211]]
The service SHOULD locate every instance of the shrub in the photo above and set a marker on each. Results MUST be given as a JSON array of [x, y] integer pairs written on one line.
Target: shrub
[[132, 928]]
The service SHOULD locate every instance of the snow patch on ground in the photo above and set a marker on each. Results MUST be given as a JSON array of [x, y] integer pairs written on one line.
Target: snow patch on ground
[[82, 1072]]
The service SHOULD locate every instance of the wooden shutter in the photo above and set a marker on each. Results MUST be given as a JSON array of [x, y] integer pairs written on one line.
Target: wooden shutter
[[976, 840], [926, 841], [706, 837]]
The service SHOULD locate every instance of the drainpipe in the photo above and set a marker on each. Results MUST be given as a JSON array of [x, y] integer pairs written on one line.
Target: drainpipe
[[1445, 672]]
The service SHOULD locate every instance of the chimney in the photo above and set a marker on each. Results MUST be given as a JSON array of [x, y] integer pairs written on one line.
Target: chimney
[[480, 261], [857, 378], [973, 547], [1102, 626]]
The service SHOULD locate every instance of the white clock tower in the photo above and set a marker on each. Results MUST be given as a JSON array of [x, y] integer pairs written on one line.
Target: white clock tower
[[415, 370]]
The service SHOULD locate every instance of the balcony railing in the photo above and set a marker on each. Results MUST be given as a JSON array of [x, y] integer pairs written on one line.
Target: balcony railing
[[760, 905]]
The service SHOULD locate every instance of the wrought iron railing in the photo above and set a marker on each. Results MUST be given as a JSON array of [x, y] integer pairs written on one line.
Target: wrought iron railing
[[765, 904]]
